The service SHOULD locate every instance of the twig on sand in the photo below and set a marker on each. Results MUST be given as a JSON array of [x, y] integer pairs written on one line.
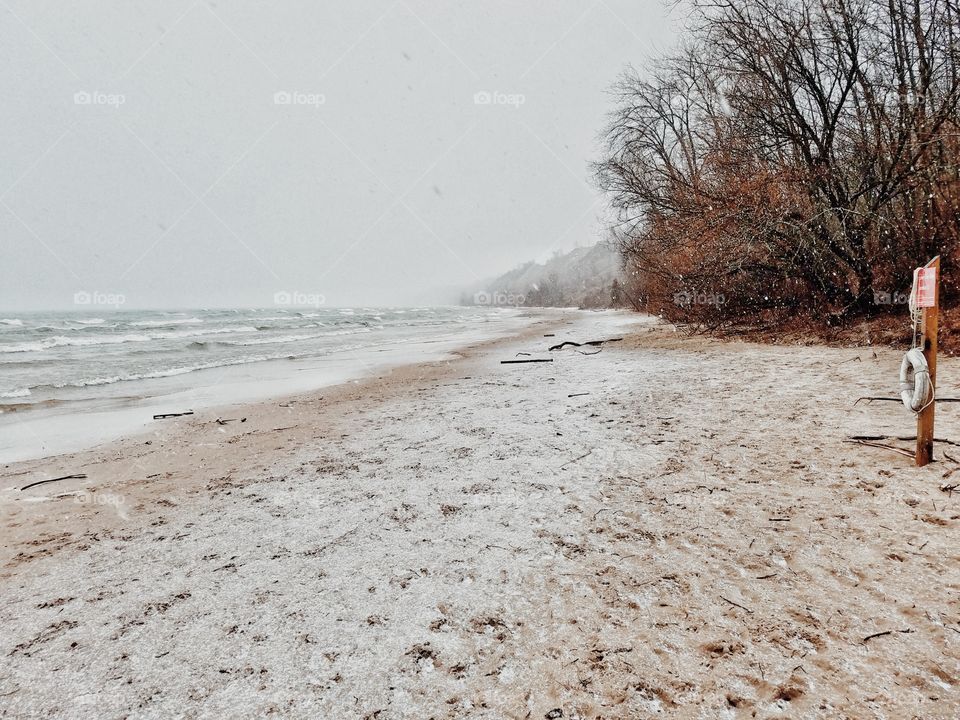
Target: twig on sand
[[164, 416], [333, 542], [736, 604], [530, 360], [522, 353], [882, 634], [896, 399], [577, 394], [881, 445], [78, 476], [592, 343], [945, 441], [501, 547], [571, 462]]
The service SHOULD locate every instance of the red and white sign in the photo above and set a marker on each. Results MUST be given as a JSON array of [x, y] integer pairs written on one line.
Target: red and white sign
[[925, 287]]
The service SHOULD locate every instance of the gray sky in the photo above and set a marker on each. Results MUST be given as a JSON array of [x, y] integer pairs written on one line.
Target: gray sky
[[196, 154]]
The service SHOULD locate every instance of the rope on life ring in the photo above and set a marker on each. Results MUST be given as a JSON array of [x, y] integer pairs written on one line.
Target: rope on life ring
[[918, 394]]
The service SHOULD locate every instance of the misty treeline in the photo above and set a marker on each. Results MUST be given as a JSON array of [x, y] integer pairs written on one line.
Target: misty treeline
[[795, 158]]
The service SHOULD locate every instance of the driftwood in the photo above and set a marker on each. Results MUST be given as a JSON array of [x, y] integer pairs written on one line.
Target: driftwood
[[736, 604], [531, 360], [576, 459], [163, 416], [577, 394], [900, 437], [896, 399], [884, 633], [79, 476], [881, 445], [592, 343]]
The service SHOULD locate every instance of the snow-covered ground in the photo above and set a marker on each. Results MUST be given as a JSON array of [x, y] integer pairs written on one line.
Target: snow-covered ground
[[668, 526]]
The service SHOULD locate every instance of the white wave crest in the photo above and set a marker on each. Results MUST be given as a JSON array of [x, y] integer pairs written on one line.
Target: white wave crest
[[63, 341], [165, 323], [23, 392]]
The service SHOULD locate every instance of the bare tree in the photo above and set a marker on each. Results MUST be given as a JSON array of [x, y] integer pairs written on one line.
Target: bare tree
[[795, 155]]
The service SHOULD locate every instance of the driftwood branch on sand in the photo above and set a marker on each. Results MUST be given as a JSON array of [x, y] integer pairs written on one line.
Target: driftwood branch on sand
[[592, 343], [881, 445], [164, 416], [900, 437], [78, 476], [531, 360], [896, 399]]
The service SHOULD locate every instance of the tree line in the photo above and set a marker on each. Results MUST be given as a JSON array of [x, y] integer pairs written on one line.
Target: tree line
[[793, 158]]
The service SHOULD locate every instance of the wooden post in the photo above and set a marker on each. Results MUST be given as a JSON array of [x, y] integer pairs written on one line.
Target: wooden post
[[928, 341]]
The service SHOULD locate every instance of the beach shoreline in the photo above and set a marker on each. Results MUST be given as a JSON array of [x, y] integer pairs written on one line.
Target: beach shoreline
[[78, 412], [174, 447], [629, 530]]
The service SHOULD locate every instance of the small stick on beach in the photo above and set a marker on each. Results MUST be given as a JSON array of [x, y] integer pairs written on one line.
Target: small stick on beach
[[593, 343], [79, 476], [896, 399], [736, 604], [881, 445], [570, 462], [163, 416]]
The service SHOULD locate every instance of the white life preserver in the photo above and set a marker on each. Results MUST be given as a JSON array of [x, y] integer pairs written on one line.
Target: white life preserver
[[918, 394]]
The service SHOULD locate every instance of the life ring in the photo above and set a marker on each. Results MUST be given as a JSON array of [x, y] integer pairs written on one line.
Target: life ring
[[918, 394]]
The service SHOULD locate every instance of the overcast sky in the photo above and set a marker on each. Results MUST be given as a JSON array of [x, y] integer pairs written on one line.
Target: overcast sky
[[198, 154]]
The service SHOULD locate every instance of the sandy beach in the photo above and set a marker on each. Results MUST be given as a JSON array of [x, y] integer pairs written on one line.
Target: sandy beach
[[661, 526]]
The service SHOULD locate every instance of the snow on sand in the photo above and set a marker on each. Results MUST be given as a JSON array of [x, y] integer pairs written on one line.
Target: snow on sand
[[465, 539]]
